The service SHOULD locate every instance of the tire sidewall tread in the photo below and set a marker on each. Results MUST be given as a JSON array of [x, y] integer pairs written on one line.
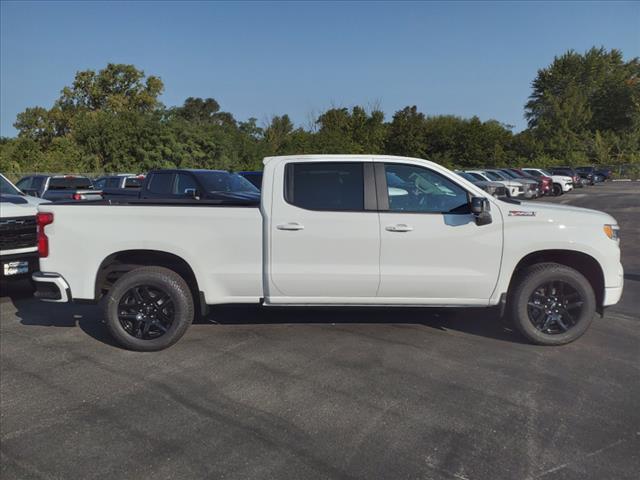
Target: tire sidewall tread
[[163, 278], [530, 279]]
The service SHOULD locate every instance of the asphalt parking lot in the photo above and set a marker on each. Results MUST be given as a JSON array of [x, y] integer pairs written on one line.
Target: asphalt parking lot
[[326, 393]]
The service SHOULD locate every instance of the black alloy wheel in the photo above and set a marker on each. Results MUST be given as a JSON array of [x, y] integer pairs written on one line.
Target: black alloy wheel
[[554, 307], [146, 312]]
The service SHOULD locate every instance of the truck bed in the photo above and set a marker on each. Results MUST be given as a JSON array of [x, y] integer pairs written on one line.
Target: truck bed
[[223, 246]]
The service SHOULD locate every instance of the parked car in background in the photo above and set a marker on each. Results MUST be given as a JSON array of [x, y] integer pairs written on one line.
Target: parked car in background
[[496, 189], [121, 180], [594, 174], [331, 230], [18, 239], [8, 189], [59, 187], [514, 189], [121, 185], [186, 184], [531, 185], [560, 183], [568, 172], [544, 182], [254, 177], [605, 172]]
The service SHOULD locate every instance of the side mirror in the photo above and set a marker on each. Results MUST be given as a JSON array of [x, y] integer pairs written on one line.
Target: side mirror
[[191, 193], [481, 209]]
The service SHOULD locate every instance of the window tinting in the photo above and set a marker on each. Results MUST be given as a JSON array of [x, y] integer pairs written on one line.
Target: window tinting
[[133, 182], [69, 183], [184, 182], [325, 185], [161, 183], [113, 182], [24, 183], [418, 189]]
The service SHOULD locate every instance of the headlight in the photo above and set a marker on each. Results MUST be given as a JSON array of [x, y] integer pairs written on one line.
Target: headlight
[[612, 231]]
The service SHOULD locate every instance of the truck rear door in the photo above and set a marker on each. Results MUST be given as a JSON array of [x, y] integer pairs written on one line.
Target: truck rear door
[[323, 229]]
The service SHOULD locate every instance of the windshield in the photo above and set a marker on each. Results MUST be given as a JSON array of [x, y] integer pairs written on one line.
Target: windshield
[[226, 182], [493, 176], [508, 173], [546, 172], [6, 188], [467, 176]]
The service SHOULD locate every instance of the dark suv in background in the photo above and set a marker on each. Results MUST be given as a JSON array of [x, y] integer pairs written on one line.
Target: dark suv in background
[[569, 172]]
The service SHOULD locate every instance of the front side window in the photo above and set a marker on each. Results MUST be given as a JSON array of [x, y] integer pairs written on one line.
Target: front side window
[[24, 183], [113, 182], [535, 173], [418, 189], [100, 183], [161, 183], [183, 183], [336, 186]]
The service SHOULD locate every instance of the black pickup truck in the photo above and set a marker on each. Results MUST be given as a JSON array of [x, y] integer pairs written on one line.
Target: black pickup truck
[[186, 184]]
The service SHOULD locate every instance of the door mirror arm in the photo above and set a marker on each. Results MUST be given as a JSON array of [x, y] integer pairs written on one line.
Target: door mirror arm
[[192, 193]]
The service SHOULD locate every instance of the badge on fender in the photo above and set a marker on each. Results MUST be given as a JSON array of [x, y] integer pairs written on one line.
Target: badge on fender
[[521, 213]]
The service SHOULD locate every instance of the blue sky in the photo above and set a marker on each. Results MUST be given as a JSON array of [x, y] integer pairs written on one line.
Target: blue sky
[[264, 58]]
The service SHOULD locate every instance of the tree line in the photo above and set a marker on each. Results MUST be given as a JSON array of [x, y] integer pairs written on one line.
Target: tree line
[[584, 108]]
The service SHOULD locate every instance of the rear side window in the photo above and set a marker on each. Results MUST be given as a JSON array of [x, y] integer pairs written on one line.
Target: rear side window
[[334, 186], [133, 182], [69, 183], [161, 183]]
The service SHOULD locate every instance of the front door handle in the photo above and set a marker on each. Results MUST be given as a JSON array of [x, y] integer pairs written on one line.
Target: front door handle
[[290, 226], [401, 227]]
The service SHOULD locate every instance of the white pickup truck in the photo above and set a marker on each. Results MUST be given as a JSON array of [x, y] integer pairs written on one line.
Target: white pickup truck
[[359, 230]]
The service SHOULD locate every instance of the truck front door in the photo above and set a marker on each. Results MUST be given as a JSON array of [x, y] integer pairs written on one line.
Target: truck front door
[[431, 250]]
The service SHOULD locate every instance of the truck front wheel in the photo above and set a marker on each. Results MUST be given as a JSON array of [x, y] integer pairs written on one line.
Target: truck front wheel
[[552, 304], [148, 309]]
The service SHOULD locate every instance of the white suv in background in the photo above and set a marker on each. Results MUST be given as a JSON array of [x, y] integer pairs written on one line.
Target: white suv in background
[[514, 188], [561, 183]]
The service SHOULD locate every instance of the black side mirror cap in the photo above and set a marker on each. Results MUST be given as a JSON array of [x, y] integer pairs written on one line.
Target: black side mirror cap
[[478, 205], [480, 208]]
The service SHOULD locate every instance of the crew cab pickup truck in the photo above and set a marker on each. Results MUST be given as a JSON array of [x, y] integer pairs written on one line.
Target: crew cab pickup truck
[[331, 230], [187, 184], [56, 188], [18, 240]]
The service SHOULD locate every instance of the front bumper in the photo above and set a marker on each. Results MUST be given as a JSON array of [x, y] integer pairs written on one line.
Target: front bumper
[[612, 294], [51, 287], [18, 265]]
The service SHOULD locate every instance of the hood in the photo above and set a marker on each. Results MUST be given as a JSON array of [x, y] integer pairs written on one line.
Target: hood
[[242, 197], [16, 206], [560, 213]]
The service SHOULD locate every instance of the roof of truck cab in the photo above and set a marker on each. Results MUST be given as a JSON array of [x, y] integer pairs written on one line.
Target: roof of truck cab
[[362, 157]]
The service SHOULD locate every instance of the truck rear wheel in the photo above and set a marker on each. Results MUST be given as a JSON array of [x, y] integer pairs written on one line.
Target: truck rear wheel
[[552, 304], [148, 309]]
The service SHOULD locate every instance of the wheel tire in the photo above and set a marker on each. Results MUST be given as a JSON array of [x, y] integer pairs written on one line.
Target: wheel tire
[[530, 280], [557, 190], [166, 281]]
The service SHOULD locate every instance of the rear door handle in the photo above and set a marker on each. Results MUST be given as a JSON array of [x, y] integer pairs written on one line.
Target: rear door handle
[[290, 226], [401, 227]]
